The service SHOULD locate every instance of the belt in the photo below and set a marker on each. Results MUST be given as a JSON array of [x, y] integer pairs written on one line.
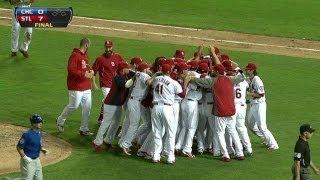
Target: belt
[[200, 103], [209, 102], [134, 98], [161, 104], [240, 104], [190, 100]]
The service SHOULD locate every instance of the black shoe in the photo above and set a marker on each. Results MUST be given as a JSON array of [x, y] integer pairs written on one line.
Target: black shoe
[[24, 53], [13, 54]]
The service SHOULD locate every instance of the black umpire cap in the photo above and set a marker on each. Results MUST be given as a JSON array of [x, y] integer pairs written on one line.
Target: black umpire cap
[[306, 128]]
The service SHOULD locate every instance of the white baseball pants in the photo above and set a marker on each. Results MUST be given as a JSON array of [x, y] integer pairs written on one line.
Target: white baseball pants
[[15, 32], [162, 118], [111, 114], [145, 128], [131, 123], [77, 98], [258, 113], [227, 123], [189, 118]]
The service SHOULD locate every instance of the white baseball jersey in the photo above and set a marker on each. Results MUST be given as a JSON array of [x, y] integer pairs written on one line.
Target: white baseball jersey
[[165, 89], [240, 91], [207, 94], [194, 92], [256, 85], [140, 86]]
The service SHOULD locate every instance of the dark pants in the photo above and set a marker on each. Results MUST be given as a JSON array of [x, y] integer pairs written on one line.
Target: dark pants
[[304, 173]]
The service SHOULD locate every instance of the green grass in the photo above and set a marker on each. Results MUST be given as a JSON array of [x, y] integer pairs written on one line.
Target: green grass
[[38, 85], [285, 18]]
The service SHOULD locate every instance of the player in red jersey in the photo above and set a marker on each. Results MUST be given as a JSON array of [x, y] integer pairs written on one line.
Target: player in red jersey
[[106, 65], [79, 87]]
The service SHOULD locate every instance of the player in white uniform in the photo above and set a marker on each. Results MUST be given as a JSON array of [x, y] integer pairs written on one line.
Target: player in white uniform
[[15, 31], [204, 132], [162, 117], [257, 112], [240, 91], [189, 116], [134, 107]]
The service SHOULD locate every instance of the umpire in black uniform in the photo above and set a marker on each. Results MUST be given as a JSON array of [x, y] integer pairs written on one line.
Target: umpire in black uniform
[[302, 158]]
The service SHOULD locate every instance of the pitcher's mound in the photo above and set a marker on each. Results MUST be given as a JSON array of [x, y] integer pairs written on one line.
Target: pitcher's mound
[[9, 157]]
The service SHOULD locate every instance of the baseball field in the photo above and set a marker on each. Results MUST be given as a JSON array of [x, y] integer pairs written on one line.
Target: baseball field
[[38, 85]]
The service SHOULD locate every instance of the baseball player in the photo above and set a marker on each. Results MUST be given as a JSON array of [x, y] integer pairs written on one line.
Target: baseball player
[[240, 91], [162, 117], [205, 109], [106, 65], [113, 107], [134, 109], [29, 147], [258, 109], [15, 31], [224, 107], [79, 87], [145, 128], [189, 115]]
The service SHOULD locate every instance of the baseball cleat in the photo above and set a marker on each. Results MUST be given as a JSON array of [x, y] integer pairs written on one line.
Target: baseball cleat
[[225, 159], [187, 154], [107, 146], [272, 148], [170, 162], [13, 54], [85, 133], [141, 154], [97, 148], [24, 53], [126, 151], [240, 158], [155, 161], [200, 151]]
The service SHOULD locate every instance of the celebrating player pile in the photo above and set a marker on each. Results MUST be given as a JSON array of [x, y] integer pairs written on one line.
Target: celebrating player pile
[[171, 103]]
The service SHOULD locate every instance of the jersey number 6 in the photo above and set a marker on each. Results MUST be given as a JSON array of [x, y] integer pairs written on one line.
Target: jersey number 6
[[238, 93]]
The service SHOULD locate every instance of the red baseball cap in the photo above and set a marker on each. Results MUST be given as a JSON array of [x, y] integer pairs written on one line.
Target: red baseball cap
[[123, 65], [178, 60], [108, 43], [182, 66], [170, 62], [203, 67], [166, 68], [224, 57], [179, 53], [193, 64], [251, 66], [136, 61], [143, 66], [228, 65], [219, 68]]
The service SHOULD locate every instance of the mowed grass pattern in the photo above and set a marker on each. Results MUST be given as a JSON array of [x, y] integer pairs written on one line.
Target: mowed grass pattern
[[38, 85], [286, 18]]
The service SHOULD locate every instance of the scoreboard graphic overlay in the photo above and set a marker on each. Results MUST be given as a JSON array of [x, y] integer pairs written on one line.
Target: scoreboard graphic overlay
[[43, 17]]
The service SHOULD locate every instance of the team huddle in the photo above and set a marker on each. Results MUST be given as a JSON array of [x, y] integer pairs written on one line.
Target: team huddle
[[171, 105]]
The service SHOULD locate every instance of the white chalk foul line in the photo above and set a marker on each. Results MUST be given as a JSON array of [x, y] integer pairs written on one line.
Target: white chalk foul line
[[174, 35]]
